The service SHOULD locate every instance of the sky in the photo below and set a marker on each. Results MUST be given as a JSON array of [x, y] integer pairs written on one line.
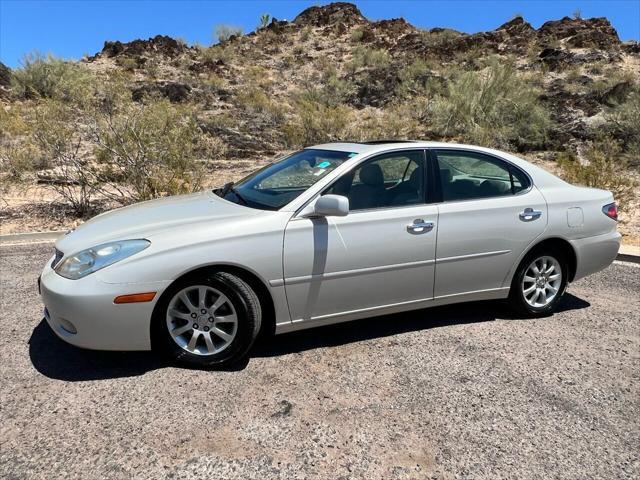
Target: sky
[[73, 28]]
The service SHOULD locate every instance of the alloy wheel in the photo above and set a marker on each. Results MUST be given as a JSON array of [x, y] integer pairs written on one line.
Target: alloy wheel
[[542, 281], [202, 320]]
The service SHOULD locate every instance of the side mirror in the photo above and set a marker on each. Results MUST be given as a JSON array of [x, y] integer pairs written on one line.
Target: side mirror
[[327, 206]]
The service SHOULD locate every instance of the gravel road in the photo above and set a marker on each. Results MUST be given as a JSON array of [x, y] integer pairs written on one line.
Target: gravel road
[[455, 392]]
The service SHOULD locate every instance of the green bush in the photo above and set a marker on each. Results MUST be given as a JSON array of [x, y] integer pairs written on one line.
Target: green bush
[[152, 150], [368, 58], [623, 121], [223, 32], [60, 131], [604, 167], [416, 79], [494, 107], [42, 76], [315, 122]]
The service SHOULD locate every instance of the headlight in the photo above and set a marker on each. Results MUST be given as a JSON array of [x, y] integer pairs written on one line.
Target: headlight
[[93, 259]]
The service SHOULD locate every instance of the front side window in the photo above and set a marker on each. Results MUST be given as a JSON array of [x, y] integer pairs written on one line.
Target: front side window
[[468, 175], [389, 180], [274, 186]]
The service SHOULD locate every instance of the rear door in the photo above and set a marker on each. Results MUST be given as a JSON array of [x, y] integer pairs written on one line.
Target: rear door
[[490, 213]]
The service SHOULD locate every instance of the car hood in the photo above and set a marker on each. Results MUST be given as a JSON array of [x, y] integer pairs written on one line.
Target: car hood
[[147, 219]]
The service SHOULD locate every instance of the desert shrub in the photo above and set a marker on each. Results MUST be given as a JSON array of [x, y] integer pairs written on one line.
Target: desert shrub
[[417, 78], [128, 64], [305, 33], [604, 167], [356, 34], [41, 76], [494, 107], [329, 89], [152, 150], [60, 133], [254, 100], [14, 159], [215, 53], [224, 32], [368, 58], [315, 122], [396, 122], [623, 121]]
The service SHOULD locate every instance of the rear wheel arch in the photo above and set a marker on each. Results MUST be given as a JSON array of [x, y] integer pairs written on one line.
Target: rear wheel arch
[[254, 281], [558, 244]]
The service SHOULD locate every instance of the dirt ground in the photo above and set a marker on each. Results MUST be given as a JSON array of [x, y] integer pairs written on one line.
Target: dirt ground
[[464, 391], [30, 207]]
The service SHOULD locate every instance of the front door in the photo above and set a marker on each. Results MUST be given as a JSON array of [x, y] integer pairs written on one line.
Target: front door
[[490, 213], [380, 255]]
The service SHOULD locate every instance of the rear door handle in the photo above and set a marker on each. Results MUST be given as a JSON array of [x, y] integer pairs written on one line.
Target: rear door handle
[[420, 226], [529, 214]]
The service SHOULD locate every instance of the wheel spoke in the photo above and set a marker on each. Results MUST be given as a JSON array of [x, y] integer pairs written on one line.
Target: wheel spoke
[[535, 296], [221, 300], [181, 330], [543, 294], [544, 265], [551, 288], [226, 319], [202, 296], [209, 342], [187, 301], [191, 346], [529, 290], [175, 313], [535, 269], [554, 277], [221, 333], [529, 279]]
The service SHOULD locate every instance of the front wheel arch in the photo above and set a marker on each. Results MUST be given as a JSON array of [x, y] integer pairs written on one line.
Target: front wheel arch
[[256, 283]]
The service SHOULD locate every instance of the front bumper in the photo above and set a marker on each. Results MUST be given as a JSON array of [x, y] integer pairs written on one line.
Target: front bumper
[[82, 313]]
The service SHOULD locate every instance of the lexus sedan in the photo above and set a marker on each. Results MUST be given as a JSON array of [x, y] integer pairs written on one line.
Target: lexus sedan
[[331, 233]]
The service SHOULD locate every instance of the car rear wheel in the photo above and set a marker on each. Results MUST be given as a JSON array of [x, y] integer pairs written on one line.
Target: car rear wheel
[[209, 320], [539, 283]]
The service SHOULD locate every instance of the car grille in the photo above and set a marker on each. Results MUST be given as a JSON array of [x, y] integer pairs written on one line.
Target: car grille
[[57, 258]]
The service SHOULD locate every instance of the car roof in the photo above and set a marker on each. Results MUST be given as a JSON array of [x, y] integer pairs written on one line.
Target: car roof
[[540, 176], [383, 145]]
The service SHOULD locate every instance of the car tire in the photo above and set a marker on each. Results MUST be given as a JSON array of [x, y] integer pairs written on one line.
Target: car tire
[[220, 341], [538, 294]]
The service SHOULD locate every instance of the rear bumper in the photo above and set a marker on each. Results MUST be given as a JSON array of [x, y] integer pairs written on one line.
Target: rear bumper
[[82, 312], [595, 253]]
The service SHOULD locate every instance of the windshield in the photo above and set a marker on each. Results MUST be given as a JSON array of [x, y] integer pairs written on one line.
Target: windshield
[[277, 184]]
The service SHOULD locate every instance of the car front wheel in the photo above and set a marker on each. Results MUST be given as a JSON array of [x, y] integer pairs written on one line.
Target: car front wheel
[[210, 320], [539, 283]]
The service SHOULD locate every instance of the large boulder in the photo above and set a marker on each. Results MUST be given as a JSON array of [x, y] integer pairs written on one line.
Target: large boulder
[[581, 33], [342, 13], [5, 75], [160, 44]]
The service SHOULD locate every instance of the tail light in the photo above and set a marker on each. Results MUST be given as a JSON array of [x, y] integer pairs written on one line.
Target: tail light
[[611, 210]]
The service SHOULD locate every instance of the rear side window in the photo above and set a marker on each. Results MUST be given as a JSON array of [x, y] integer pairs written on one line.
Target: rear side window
[[468, 175]]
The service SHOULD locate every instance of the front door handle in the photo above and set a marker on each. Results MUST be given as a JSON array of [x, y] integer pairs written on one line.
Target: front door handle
[[420, 226], [529, 214]]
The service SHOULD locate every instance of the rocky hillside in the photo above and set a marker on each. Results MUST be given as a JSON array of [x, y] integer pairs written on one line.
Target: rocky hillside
[[579, 68], [566, 91]]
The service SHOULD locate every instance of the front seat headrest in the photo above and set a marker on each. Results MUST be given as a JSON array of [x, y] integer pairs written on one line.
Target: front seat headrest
[[371, 174]]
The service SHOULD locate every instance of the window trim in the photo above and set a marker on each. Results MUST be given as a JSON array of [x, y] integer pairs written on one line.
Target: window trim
[[372, 158], [509, 166]]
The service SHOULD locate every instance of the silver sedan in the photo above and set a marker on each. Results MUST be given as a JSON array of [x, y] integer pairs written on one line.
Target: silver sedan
[[331, 233]]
